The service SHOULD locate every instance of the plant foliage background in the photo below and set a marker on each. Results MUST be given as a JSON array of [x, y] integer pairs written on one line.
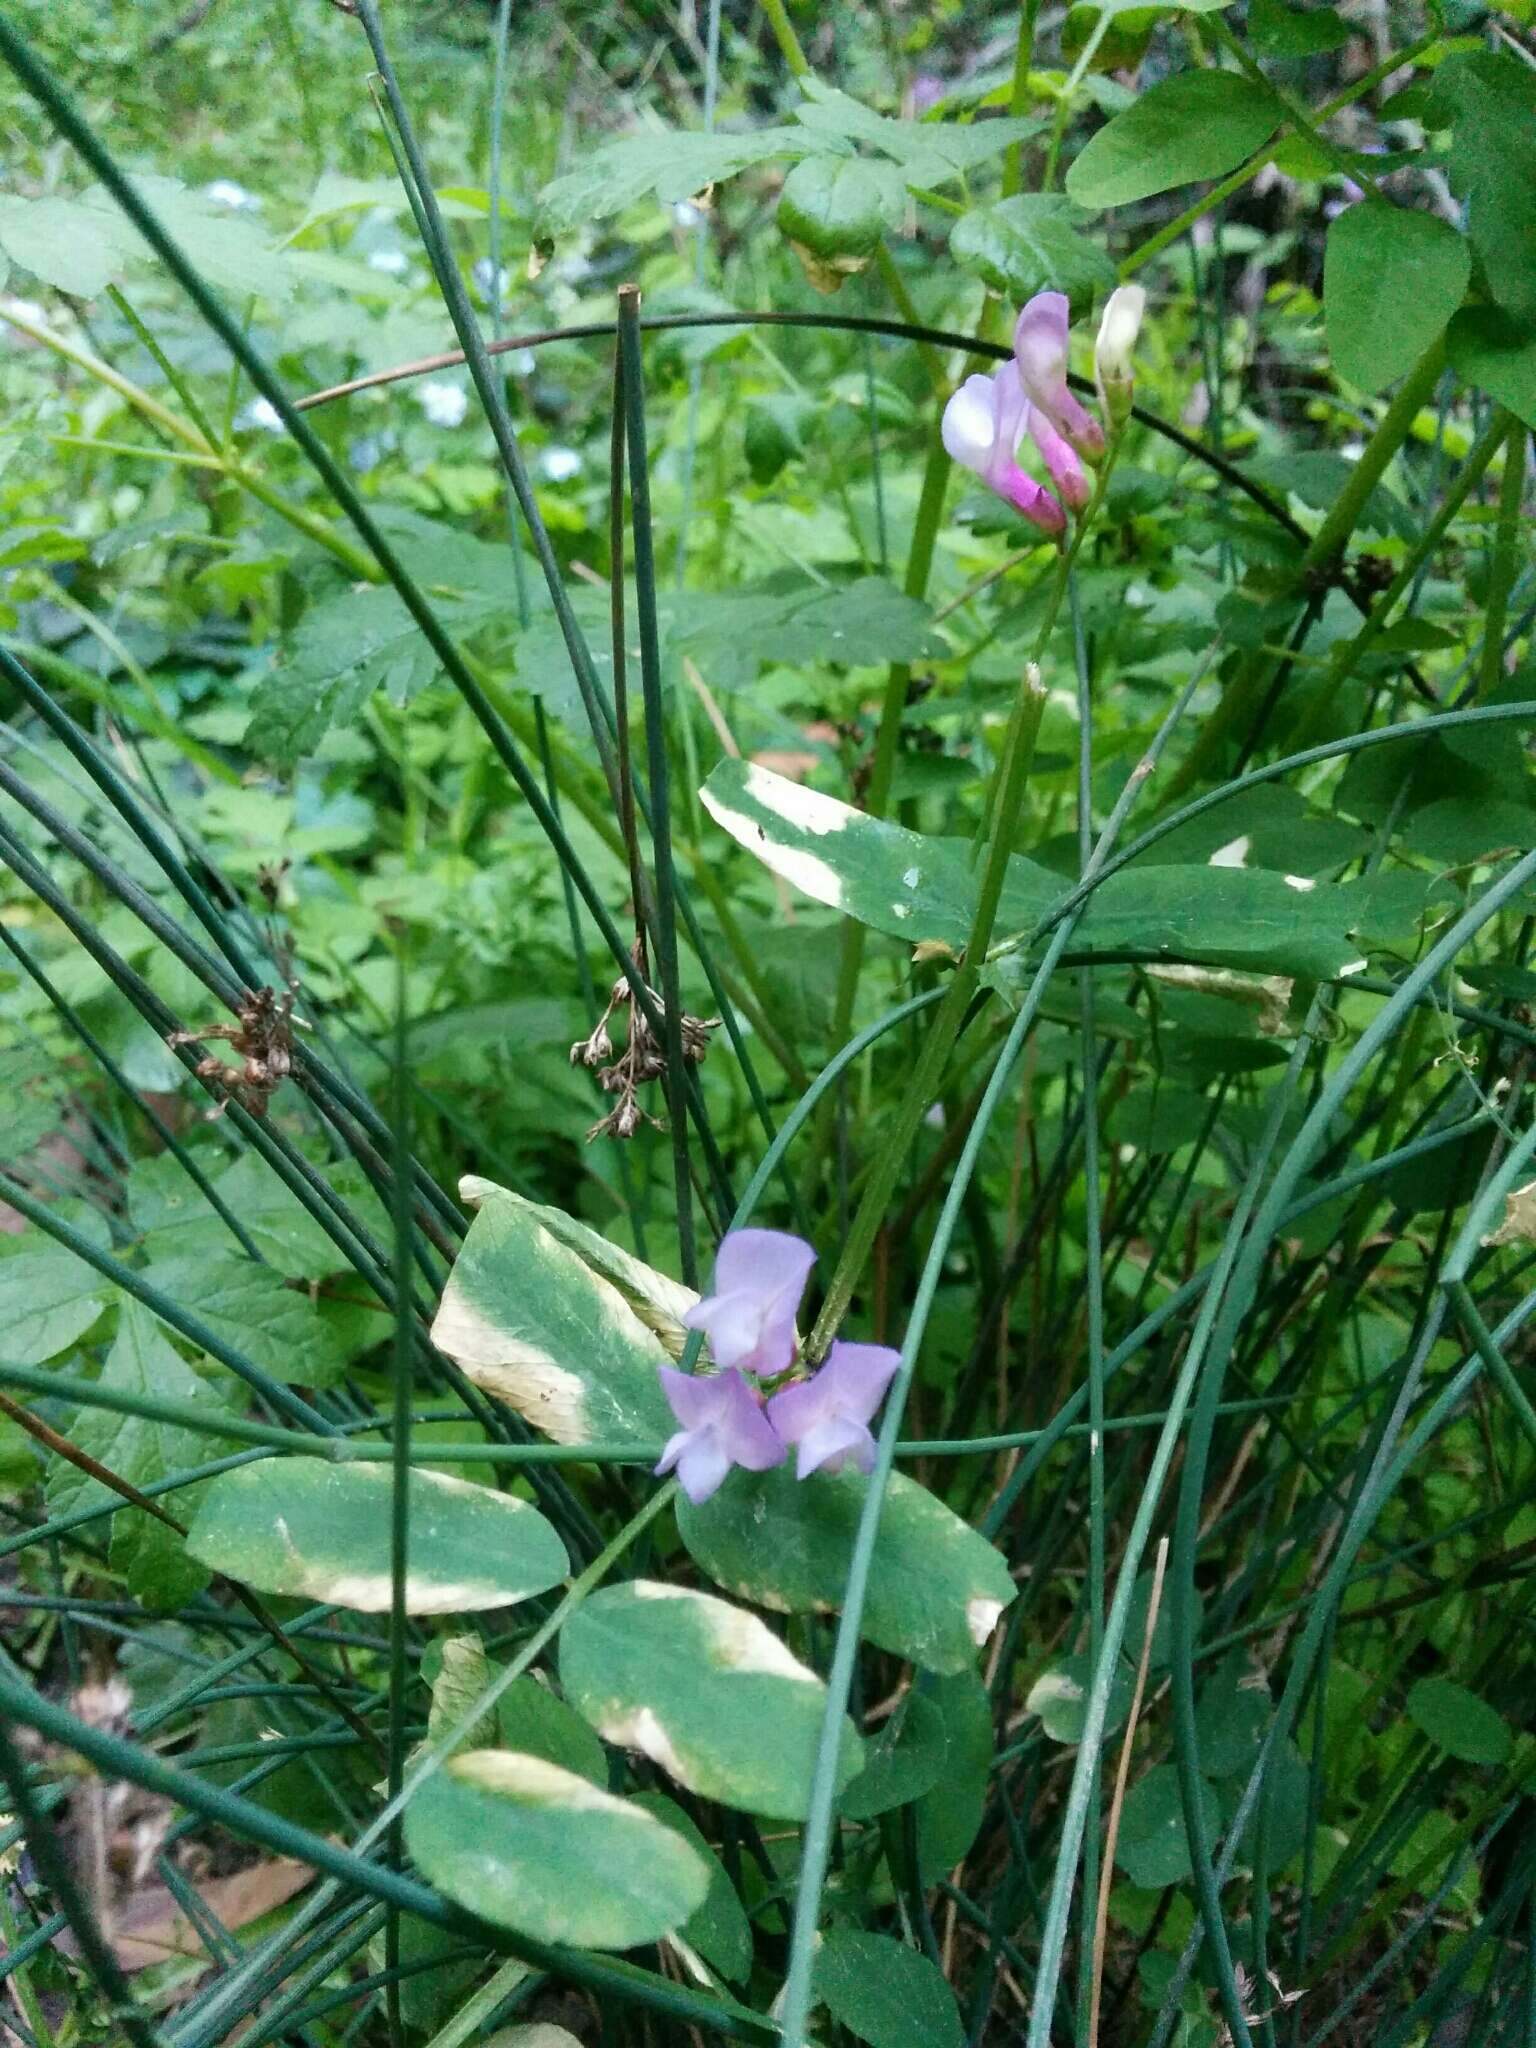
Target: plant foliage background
[[521, 753]]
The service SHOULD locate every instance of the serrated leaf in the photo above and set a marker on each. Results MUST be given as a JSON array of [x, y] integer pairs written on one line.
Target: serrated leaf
[[1030, 243], [82, 244], [530, 1322], [928, 152], [705, 1690], [1391, 281], [666, 167], [884, 1992], [936, 1587], [141, 1362], [542, 1852], [277, 1327], [48, 1300], [1199, 124], [305, 1526]]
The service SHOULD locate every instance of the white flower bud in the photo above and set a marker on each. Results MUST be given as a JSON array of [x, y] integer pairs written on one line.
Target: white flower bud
[[1112, 368]]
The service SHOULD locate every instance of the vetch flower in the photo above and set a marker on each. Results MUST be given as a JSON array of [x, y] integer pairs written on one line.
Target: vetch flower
[[1040, 350], [1066, 471], [225, 192], [760, 1276], [1112, 369], [829, 1415], [723, 1425], [982, 426]]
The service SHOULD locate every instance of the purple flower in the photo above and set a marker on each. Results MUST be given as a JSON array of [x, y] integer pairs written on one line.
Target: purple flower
[[723, 1425], [1040, 350], [829, 1415], [1067, 473], [983, 424], [760, 1276]]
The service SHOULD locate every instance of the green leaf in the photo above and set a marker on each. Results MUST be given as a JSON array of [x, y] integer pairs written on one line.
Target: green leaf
[[153, 1557], [835, 209], [537, 1722], [1489, 100], [1391, 281], [703, 1689], [719, 1929], [530, 1322], [48, 1300], [1233, 1713], [900, 1764], [82, 245], [666, 167], [1497, 354], [305, 1526], [1276, 30], [177, 1220], [861, 624], [656, 1298], [949, 1816], [1199, 124], [1031, 243], [929, 152], [1153, 1849], [1458, 1722], [1060, 1697], [936, 1587], [343, 650], [462, 1673], [540, 1851], [918, 888], [276, 1326], [884, 1992]]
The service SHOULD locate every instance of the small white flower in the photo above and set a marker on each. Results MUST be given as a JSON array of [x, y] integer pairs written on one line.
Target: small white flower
[[445, 405], [522, 362], [686, 214], [392, 262], [261, 414], [560, 464], [1112, 368], [225, 192], [490, 278]]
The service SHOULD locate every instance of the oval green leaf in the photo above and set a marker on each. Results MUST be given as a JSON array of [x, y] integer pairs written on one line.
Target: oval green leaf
[[1458, 1722], [1374, 335], [1200, 124], [1497, 354], [936, 1588], [884, 1992], [703, 1689], [902, 1763], [531, 1322], [544, 1853], [319, 1531]]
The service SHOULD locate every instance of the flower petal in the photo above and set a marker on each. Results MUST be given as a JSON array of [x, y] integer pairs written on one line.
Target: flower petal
[[969, 426], [860, 1375], [833, 1440], [703, 1464]]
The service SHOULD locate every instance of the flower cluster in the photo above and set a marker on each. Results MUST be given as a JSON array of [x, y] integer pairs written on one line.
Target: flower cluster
[[987, 418], [726, 1418]]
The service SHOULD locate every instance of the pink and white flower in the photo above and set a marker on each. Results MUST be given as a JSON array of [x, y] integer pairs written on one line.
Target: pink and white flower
[[982, 427]]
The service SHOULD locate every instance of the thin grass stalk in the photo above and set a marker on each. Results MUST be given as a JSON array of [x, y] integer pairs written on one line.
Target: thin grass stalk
[[401, 1364], [632, 388]]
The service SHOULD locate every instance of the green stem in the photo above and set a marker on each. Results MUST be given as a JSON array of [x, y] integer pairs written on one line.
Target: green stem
[[784, 35], [1505, 563], [1018, 752], [1321, 558]]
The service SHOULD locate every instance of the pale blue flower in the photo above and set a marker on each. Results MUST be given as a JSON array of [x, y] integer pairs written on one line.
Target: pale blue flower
[[723, 1425], [760, 1276], [828, 1415]]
